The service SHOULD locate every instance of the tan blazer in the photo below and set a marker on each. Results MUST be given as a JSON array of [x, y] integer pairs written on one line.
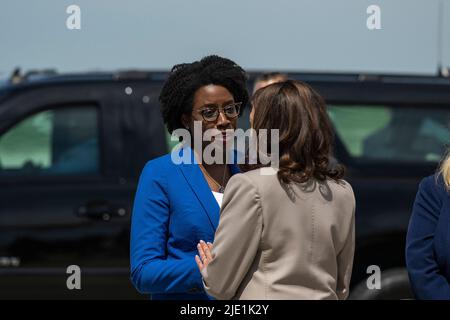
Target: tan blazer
[[282, 243]]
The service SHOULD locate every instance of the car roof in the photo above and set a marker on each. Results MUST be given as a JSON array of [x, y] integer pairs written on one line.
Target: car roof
[[49, 77], [37, 79]]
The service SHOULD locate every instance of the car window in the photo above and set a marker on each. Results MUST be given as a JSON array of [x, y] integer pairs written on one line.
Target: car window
[[390, 133], [53, 142], [171, 144]]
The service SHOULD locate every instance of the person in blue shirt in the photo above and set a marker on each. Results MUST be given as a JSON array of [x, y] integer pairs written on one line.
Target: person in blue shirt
[[176, 205], [428, 238]]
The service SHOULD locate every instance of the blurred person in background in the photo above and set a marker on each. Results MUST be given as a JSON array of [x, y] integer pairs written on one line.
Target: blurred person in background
[[290, 235], [428, 238], [268, 78], [264, 80], [176, 205]]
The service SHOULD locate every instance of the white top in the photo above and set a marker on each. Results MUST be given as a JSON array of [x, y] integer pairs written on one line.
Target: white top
[[218, 196]]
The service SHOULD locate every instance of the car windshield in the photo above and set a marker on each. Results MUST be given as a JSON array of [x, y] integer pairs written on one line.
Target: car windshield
[[396, 134]]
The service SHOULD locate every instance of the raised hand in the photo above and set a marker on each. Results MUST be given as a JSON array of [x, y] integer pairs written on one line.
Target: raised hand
[[204, 256]]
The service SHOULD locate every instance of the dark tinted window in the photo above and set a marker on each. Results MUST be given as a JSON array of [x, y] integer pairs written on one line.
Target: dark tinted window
[[53, 142], [394, 134]]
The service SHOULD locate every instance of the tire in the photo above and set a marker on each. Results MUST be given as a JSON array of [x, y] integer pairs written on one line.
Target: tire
[[394, 286]]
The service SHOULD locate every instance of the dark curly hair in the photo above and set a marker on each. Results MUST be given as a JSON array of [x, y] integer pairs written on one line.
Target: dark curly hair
[[185, 79], [305, 132]]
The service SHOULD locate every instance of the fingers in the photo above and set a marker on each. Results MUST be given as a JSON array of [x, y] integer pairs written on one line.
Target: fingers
[[207, 250], [210, 246], [204, 253], [201, 251], [199, 263]]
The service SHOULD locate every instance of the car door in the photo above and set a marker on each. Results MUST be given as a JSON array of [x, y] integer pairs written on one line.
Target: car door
[[62, 219]]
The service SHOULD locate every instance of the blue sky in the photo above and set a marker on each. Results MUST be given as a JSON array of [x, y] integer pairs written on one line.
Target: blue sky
[[286, 35]]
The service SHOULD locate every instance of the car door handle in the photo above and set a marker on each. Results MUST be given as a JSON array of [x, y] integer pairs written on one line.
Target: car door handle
[[100, 211]]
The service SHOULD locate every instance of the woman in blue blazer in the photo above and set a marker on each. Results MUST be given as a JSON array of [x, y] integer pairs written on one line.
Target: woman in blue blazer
[[176, 205], [428, 239]]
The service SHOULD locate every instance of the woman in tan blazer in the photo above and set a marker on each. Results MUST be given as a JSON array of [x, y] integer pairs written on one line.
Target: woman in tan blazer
[[289, 235]]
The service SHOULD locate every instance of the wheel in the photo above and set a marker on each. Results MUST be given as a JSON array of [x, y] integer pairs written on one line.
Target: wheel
[[394, 286]]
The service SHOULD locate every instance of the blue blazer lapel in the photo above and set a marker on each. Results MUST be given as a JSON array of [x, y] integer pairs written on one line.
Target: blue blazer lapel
[[194, 177]]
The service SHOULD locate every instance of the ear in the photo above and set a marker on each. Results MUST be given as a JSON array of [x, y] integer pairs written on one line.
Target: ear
[[186, 120]]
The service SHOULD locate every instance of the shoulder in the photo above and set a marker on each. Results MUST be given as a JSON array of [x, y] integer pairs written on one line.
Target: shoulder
[[342, 196], [243, 183], [258, 180], [433, 183], [261, 176], [161, 163], [242, 194], [342, 187], [266, 178], [433, 189], [157, 168], [431, 197], [241, 179]]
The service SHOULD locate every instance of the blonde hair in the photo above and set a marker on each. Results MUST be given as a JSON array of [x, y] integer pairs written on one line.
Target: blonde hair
[[445, 170]]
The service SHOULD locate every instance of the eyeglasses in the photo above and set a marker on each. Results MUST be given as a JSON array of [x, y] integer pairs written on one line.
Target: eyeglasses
[[211, 113]]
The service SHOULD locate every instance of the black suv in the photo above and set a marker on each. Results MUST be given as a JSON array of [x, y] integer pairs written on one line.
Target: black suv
[[72, 147]]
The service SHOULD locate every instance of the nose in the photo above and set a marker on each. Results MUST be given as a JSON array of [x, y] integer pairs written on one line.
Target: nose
[[222, 121]]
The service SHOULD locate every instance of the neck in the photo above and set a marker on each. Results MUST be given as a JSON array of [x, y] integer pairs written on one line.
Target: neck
[[217, 161]]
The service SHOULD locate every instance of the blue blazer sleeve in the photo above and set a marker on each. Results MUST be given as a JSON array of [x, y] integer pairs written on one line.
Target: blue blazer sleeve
[[426, 278], [151, 270]]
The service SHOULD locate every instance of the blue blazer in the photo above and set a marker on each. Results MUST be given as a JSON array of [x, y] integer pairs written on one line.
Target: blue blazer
[[174, 208], [428, 241]]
